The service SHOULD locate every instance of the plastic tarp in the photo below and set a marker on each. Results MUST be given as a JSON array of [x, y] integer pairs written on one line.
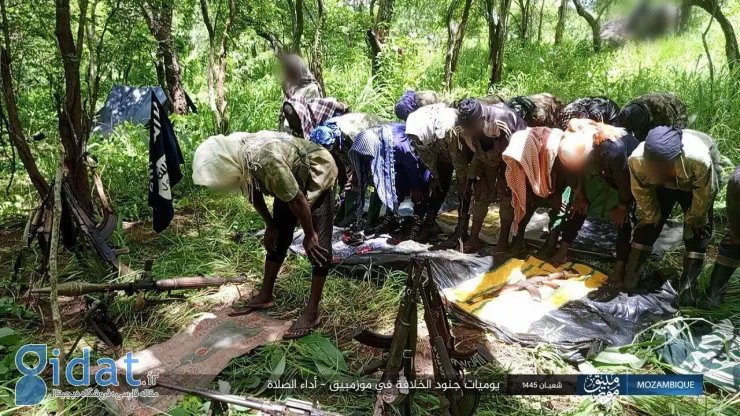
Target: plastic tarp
[[581, 316], [698, 346], [132, 104], [596, 239]]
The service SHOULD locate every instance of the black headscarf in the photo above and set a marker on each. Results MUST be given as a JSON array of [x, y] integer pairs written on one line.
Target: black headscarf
[[522, 105], [468, 111], [663, 143], [635, 119]]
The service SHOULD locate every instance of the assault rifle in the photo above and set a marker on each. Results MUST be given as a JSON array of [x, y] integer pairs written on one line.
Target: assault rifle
[[400, 348], [530, 284], [290, 407]]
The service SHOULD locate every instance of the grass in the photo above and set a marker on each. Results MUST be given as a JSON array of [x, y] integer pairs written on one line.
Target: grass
[[199, 241]]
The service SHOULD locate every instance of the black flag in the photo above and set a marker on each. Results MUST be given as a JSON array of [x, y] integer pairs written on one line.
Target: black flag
[[165, 159]]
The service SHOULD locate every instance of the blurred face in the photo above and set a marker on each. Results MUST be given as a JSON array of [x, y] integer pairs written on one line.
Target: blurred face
[[665, 170], [473, 130]]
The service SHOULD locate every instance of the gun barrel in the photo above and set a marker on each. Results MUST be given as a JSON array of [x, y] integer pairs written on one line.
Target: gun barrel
[[82, 288], [196, 282], [256, 404], [289, 408]]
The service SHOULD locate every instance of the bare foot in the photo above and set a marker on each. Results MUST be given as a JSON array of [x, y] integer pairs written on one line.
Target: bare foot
[[302, 326]]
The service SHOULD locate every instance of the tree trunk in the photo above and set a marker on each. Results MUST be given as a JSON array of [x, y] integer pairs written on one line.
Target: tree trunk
[[593, 22], [377, 36], [221, 77], [317, 53], [297, 26], [217, 73], [539, 21], [560, 26], [455, 35], [497, 31], [17, 138], [731, 46], [73, 125], [96, 66], [158, 14]]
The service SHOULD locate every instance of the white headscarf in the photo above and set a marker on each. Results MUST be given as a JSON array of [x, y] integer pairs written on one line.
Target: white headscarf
[[224, 161], [431, 123]]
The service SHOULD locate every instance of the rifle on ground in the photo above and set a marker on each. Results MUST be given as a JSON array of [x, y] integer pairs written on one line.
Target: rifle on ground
[[400, 348], [530, 284], [163, 285], [290, 407]]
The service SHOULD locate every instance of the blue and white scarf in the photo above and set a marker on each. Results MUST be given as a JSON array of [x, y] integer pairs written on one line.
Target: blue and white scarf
[[372, 153]]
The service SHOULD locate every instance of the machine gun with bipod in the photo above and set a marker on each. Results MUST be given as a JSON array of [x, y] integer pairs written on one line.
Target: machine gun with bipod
[[400, 348]]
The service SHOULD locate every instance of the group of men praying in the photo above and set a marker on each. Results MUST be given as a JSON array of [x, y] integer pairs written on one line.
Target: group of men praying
[[526, 153]]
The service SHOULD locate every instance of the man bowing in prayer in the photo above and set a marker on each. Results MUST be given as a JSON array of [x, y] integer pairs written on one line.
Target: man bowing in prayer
[[486, 130], [674, 166], [728, 257], [300, 175]]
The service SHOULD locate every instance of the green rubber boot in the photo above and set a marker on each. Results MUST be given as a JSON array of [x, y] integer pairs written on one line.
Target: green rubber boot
[[350, 209], [688, 287], [633, 270]]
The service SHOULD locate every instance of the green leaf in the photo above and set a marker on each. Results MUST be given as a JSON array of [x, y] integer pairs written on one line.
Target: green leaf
[[608, 357], [8, 336]]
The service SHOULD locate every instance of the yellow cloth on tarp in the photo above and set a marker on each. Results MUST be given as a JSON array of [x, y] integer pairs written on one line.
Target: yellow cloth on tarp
[[516, 311]]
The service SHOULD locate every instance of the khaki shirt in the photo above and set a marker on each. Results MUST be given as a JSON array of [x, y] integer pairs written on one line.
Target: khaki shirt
[[698, 170], [282, 168]]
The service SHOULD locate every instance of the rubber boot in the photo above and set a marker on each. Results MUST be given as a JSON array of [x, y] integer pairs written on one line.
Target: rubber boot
[[688, 286], [385, 226], [416, 228], [373, 212], [633, 270], [350, 209], [721, 274], [549, 247], [427, 229]]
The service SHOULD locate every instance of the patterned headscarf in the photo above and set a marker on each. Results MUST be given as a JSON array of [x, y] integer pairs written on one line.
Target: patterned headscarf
[[406, 105], [312, 113], [529, 159], [372, 154]]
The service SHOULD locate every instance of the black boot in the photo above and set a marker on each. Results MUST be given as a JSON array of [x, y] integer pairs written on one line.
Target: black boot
[[721, 274], [416, 228], [633, 270], [373, 213], [384, 227], [427, 229], [688, 286], [349, 205], [549, 247]]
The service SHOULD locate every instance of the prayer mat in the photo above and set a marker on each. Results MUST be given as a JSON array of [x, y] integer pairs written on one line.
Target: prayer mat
[[194, 358], [580, 314]]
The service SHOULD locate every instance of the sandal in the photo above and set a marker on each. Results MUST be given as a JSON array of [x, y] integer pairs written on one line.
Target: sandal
[[247, 308], [296, 333]]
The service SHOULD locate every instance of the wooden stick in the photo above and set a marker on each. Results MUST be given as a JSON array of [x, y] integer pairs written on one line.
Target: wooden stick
[[54, 270]]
